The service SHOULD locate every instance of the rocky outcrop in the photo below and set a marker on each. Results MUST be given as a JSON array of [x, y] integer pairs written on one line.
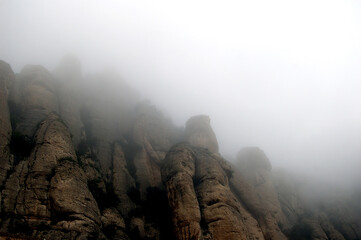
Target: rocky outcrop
[[107, 115], [178, 174], [49, 189], [79, 159], [7, 78], [218, 202], [33, 175], [255, 167], [199, 133], [122, 181], [34, 98], [72, 204], [152, 137], [203, 205], [289, 196]]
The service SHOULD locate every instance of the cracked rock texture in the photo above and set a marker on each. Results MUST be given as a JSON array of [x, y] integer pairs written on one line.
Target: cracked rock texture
[[203, 205], [83, 158]]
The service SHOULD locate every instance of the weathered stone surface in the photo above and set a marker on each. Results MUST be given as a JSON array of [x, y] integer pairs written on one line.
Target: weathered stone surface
[[289, 196], [72, 204], [113, 224], [106, 114], [178, 173], [49, 187], [255, 167], [220, 208], [253, 158], [123, 182], [328, 228], [198, 132], [345, 220], [7, 78], [26, 191], [152, 137], [197, 183], [118, 184], [35, 97]]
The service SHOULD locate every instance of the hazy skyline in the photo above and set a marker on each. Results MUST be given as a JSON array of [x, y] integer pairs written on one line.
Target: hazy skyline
[[281, 75]]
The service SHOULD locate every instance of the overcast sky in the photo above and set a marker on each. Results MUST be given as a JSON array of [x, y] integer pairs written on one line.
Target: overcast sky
[[281, 75]]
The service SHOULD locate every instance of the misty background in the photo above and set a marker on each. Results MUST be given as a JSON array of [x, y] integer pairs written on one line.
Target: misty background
[[281, 75]]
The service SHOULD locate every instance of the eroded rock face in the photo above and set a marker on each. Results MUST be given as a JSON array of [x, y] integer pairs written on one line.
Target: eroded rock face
[[34, 98], [123, 182], [30, 196], [178, 173], [106, 114], [255, 167], [152, 137], [226, 203], [99, 169], [203, 205], [71, 202], [7, 78], [199, 133], [49, 187], [289, 196]]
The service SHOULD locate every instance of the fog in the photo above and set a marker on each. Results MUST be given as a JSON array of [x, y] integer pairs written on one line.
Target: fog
[[281, 75]]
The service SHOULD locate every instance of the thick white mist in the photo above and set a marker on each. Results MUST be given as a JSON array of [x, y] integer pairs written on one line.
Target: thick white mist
[[281, 75]]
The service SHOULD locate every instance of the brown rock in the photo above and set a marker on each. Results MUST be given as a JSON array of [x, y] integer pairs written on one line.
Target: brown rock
[[35, 98], [328, 228], [106, 114], [198, 191], [49, 187], [256, 168], [152, 137], [178, 173], [71, 200], [7, 77], [122, 180], [198, 133], [112, 221], [26, 191], [220, 207]]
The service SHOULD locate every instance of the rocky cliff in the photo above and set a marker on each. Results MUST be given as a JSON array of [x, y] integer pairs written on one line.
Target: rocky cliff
[[83, 158]]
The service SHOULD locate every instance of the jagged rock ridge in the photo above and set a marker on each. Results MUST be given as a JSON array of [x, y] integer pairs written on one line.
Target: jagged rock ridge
[[82, 158]]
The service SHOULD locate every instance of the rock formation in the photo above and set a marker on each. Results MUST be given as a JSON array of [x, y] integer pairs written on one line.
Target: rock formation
[[82, 158], [7, 78], [256, 168], [199, 133], [152, 138], [49, 187], [203, 205], [199, 194], [34, 96]]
